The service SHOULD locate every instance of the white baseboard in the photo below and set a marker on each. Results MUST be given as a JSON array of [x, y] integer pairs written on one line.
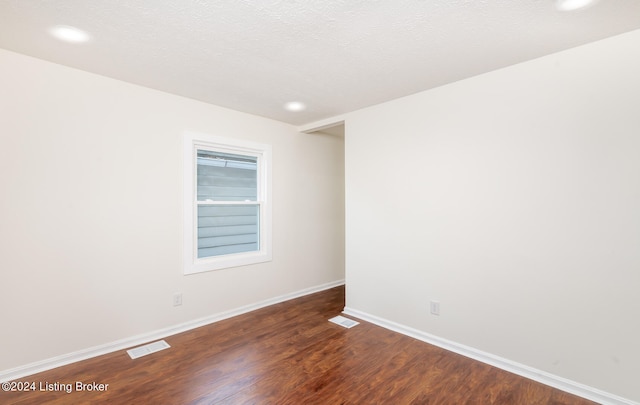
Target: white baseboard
[[531, 373], [48, 364]]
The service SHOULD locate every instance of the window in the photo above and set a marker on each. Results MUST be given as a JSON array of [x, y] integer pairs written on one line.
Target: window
[[226, 203]]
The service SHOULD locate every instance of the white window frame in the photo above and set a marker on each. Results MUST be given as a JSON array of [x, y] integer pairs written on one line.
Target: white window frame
[[191, 142]]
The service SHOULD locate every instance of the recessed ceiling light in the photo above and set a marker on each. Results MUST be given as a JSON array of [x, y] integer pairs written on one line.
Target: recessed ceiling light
[[295, 106], [69, 34], [570, 5]]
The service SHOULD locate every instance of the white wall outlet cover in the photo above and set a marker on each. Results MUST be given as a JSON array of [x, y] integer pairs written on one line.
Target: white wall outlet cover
[[435, 307]]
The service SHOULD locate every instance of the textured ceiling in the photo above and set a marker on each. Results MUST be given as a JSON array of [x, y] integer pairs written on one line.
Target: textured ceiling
[[334, 55]]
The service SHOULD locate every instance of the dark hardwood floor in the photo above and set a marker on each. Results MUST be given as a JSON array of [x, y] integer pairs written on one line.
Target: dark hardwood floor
[[290, 354]]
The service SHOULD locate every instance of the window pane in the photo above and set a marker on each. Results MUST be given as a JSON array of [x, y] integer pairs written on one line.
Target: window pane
[[226, 177], [226, 229]]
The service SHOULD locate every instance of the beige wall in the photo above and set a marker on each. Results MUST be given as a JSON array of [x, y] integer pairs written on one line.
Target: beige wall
[[512, 198], [90, 214]]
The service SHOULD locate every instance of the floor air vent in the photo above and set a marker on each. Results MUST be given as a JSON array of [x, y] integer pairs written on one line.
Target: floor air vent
[[148, 349], [342, 321]]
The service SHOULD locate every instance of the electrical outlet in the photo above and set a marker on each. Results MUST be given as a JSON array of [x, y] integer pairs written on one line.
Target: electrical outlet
[[435, 308], [177, 299]]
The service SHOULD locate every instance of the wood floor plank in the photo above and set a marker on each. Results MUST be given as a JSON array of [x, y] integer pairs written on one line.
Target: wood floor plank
[[289, 353]]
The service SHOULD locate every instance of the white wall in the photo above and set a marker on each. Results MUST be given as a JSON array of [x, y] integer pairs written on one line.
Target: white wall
[[513, 198], [90, 214]]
